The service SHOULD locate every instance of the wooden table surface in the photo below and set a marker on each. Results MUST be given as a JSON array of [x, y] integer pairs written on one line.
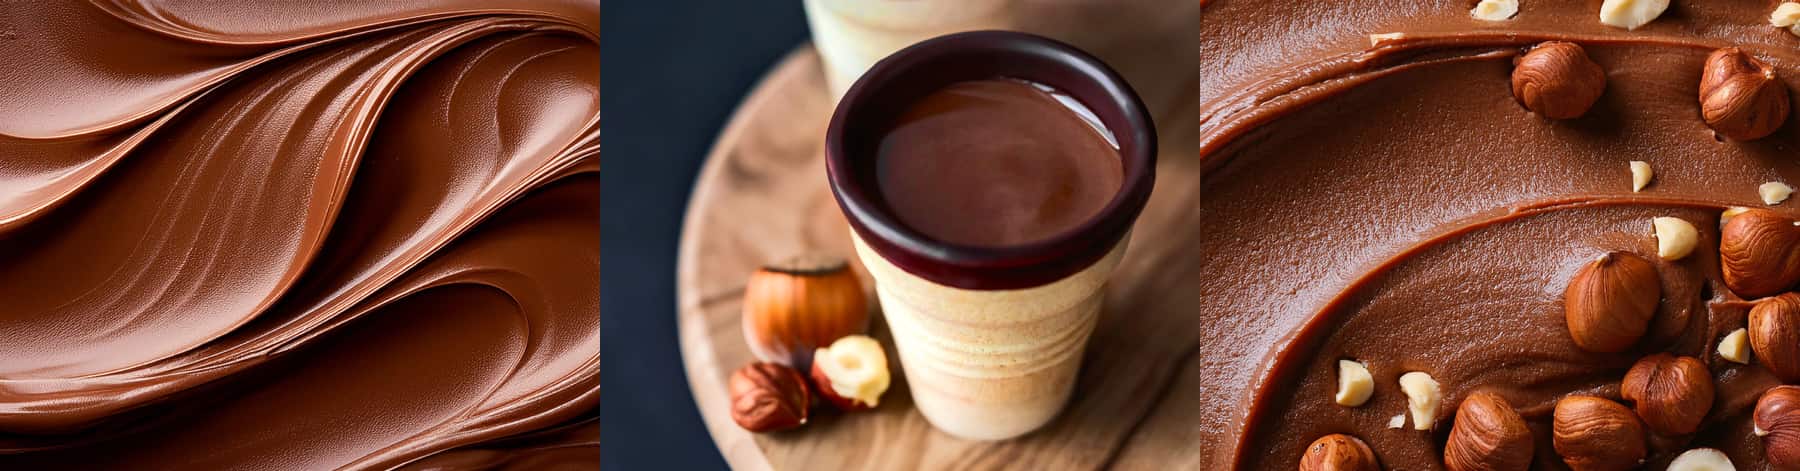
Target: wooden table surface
[[762, 196]]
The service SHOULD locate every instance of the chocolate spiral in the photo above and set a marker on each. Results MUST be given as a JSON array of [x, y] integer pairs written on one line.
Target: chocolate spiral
[[324, 235]]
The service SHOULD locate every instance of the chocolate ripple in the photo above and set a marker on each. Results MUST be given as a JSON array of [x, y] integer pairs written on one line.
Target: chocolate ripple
[[329, 236]]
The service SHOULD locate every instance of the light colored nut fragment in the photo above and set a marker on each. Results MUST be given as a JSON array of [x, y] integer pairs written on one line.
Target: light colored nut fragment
[[1701, 459], [1422, 398], [1729, 213], [1630, 14], [1397, 421], [1377, 39], [1354, 383], [1675, 237], [1640, 175], [1774, 192], [1495, 10], [1734, 348], [1786, 16]]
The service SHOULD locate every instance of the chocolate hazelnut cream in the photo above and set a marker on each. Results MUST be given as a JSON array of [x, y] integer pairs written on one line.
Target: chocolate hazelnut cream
[[1373, 191], [326, 235], [996, 163]]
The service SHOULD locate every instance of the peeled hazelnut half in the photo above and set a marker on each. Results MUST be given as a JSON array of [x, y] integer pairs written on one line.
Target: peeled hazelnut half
[[1740, 96], [1774, 333], [1488, 435], [1422, 398], [851, 373], [800, 304], [1671, 394], [1338, 452], [1557, 80], [1759, 253], [1777, 419], [1596, 434], [766, 397], [1630, 14], [1675, 237], [1354, 384], [1701, 459], [1610, 302], [1786, 16]]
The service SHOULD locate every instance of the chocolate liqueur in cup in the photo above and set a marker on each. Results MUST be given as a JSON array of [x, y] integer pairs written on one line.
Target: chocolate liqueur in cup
[[990, 180]]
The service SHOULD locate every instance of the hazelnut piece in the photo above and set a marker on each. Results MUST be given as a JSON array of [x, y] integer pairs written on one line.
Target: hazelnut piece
[[1596, 434], [1354, 384], [1777, 419], [1640, 175], [1701, 459], [1609, 303], [1786, 16], [1675, 237], [1557, 80], [1735, 347], [1671, 394], [1338, 452], [1630, 14], [1759, 253], [767, 397], [1495, 10], [1740, 97], [1775, 335], [1488, 436], [799, 304], [1773, 193], [1422, 398], [851, 373]]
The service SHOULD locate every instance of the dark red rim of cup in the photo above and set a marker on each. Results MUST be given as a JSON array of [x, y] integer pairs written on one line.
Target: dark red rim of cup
[[886, 89]]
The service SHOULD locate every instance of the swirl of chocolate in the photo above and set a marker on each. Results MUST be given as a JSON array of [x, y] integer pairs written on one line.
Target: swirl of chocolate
[[329, 235], [1373, 191]]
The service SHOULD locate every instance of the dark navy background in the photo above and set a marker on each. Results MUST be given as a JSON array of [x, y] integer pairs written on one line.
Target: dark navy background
[[672, 72]]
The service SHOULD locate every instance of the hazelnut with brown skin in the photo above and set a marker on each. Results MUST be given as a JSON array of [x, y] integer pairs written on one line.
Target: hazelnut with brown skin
[[1596, 434], [1557, 80], [1740, 97], [1777, 419], [1671, 394], [766, 397], [797, 305], [1609, 303], [1774, 333], [1759, 253], [1338, 452], [1488, 436]]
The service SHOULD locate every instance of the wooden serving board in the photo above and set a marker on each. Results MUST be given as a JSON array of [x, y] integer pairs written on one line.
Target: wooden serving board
[[762, 196]]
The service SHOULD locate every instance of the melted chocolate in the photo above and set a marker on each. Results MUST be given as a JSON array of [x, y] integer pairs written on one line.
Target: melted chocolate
[[1393, 204], [334, 235], [995, 163]]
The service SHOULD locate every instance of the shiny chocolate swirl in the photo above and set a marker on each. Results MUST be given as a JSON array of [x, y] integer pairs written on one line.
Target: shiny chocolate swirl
[[299, 235], [1373, 191]]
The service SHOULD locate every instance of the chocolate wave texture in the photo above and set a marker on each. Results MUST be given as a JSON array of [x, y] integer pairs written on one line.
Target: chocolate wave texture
[[299, 235]]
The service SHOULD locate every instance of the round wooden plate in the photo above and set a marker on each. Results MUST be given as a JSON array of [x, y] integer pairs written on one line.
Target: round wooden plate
[[762, 196]]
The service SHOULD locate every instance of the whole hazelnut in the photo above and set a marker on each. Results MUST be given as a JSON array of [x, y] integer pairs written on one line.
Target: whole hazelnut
[[1557, 80], [1671, 394], [1740, 97], [1596, 434], [1609, 303], [1759, 253], [1338, 452], [800, 304], [1488, 436], [1775, 335], [1777, 419], [768, 397]]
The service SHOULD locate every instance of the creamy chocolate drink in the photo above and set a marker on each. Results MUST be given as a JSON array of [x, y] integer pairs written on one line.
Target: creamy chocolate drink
[[1375, 191], [990, 179], [995, 163]]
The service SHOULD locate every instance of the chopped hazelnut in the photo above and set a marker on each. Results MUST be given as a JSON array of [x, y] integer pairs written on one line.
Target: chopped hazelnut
[[1631, 14], [1640, 175], [1422, 398], [1675, 237], [1495, 10], [1734, 348], [1774, 192], [1354, 383]]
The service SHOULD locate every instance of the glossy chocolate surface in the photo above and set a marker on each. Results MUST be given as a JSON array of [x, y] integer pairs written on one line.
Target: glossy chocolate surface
[[893, 85], [1387, 200], [994, 163], [324, 235]]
